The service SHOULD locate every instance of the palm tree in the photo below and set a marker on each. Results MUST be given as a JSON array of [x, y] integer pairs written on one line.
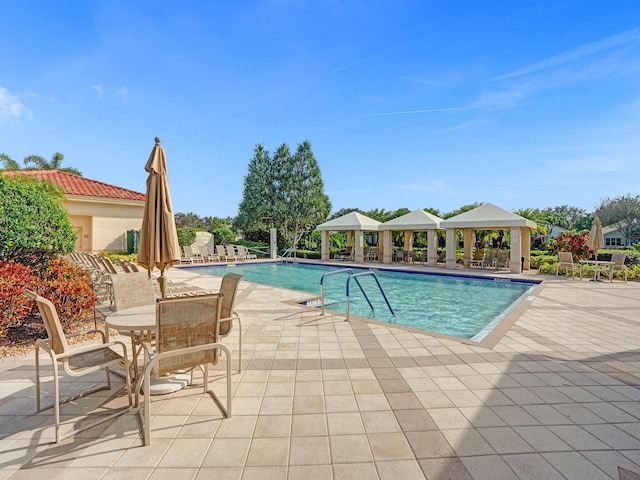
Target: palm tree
[[8, 162], [56, 159]]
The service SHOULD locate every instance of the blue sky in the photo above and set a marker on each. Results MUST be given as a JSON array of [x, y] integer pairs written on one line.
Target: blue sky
[[406, 103]]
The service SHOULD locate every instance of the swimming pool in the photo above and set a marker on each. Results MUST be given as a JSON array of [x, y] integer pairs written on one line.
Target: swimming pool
[[459, 306]]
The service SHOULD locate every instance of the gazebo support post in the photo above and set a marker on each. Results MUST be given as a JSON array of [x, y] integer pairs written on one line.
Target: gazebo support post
[[325, 252], [467, 237], [387, 251], [432, 243], [359, 242], [451, 248], [516, 250]]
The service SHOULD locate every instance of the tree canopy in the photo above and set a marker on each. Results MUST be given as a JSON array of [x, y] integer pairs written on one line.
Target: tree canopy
[[621, 212], [36, 162], [284, 191]]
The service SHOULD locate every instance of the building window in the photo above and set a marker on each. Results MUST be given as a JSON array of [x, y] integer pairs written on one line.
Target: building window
[[613, 242]]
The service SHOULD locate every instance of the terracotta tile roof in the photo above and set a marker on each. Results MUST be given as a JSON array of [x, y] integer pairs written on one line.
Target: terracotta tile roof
[[75, 185]]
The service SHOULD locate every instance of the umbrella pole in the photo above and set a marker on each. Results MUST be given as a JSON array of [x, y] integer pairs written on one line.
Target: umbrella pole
[[162, 281]]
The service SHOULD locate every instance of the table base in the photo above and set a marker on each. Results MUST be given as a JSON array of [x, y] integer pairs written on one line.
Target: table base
[[169, 384]]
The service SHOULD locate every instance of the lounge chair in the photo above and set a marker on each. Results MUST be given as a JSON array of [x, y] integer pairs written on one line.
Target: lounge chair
[[231, 253], [190, 253], [222, 253], [204, 253], [187, 337], [565, 260], [77, 361], [243, 252]]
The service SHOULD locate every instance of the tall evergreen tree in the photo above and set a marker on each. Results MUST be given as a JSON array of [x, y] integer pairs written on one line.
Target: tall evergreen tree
[[285, 192]]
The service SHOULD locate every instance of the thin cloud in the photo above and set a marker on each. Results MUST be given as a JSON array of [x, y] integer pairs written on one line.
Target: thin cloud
[[11, 108], [427, 110], [123, 92], [99, 90], [578, 53]]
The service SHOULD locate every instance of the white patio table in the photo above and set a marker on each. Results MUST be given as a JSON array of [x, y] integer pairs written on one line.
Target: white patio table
[[596, 264]]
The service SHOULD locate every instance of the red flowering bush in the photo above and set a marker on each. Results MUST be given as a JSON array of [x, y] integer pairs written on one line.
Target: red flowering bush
[[571, 241], [15, 308], [67, 286]]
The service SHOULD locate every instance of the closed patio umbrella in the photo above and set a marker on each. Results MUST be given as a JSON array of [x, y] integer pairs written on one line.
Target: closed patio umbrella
[[596, 237], [158, 247]]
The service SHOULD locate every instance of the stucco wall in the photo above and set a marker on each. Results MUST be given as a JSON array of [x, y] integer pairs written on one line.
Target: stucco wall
[[110, 221]]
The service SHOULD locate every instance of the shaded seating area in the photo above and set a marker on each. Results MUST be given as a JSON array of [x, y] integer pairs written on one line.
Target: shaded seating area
[[354, 225], [409, 224], [490, 217]]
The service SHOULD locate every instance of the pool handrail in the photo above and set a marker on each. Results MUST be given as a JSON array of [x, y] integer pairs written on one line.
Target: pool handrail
[[340, 270], [375, 277]]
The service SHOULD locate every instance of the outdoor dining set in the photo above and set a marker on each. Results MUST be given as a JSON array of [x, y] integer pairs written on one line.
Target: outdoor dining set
[[178, 333]]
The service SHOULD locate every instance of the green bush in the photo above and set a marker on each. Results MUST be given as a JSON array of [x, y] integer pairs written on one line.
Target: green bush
[[223, 235], [33, 225], [186, 236]]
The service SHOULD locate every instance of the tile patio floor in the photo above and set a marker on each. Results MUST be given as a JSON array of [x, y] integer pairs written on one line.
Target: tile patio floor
[[319, 398]]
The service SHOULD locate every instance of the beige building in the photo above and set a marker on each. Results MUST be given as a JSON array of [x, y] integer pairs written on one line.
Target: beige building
[[101, 214]]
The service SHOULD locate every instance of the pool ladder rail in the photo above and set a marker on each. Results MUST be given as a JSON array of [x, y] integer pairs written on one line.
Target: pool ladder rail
[[355, 277]]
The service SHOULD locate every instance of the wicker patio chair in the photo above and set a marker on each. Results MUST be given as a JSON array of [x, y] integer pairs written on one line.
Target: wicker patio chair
[[77, 361], [565, 260]]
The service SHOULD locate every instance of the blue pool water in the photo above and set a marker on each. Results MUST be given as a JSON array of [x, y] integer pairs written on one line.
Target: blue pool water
[[458, 306]]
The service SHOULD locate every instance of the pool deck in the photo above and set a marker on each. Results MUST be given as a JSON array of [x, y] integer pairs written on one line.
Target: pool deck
[[556, 396]]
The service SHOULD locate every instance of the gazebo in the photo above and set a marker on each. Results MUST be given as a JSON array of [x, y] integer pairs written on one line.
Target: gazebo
[[355, 225], [490, 217], [416, 221]]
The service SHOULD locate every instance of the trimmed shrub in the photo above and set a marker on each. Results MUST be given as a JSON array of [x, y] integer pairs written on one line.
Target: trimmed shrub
[[32, 222]]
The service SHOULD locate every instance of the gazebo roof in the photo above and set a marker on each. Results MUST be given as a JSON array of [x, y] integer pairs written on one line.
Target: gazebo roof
[[416, 220], [350, 221], [485, 216]]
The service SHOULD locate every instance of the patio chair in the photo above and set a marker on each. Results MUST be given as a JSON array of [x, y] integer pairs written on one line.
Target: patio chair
[[132, 290], [77, 361], [228, 315], [187, 337], [504, 259], [490, 259], [478, 258], [617, 265], [565, 260]]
